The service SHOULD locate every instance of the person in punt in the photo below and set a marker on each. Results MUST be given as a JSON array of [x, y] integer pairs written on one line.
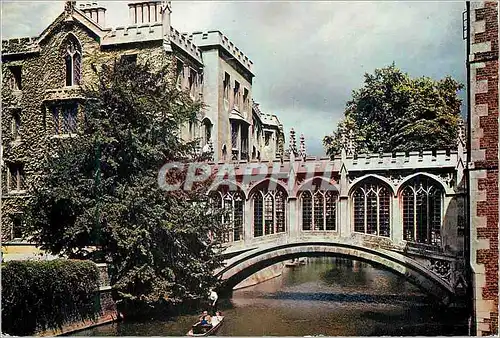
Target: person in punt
[[205, 319]]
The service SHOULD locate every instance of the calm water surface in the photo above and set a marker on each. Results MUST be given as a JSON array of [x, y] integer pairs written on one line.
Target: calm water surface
[[326, 296]]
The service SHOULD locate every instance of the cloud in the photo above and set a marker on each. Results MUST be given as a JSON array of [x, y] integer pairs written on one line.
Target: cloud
[[308, 56]]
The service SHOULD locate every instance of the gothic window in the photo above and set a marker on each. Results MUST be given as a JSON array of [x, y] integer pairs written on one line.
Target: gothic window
[[234, 135], [237, 94], [246, 101], [280, 200], [244, 141], [331, 210], [306, 210], [319, 210], [15, 80], [207, 131], [268, 214], [226, 84], [73, 60], [421, 199], [179, 73], [238, 206], [233, 204], [193, 79], [192, 128], [69, 119], [15, 177], [258, 208], [55, 119], [17, 224], [269, 211], [371, 204], [64, 118], [16, 125], [267, 137]]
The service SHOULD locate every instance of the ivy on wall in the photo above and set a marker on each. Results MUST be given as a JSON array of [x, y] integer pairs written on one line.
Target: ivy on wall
[[43, 295]]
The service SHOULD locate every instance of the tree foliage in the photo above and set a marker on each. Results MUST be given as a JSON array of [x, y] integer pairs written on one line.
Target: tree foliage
[[101, 189], [394, 112], [43, 295]]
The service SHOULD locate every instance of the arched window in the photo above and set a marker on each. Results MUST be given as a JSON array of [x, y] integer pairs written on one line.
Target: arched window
[[258, 208], [371, 201], [269, 213], [319, 210], [207, 131], [73, 59], [307, 211], [233, 204], [421, 199]]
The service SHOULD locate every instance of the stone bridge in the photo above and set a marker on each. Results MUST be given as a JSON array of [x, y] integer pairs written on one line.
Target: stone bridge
[[404, 212]]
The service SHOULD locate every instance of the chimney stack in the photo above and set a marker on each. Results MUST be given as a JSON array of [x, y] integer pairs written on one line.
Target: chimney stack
[[94, 12], [145, 12], [152, 12]]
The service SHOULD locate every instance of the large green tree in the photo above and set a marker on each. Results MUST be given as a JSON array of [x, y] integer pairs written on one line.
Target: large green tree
[[100, 189], [394, 112]]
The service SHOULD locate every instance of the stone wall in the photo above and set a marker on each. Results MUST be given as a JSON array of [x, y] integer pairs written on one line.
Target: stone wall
[[43, 84], [107, 308], [483, 165], [263, 275]]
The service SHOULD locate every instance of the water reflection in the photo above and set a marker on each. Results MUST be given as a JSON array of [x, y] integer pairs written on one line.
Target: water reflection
[[326, 296]]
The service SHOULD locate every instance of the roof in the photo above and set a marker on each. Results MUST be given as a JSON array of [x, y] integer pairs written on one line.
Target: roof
[[266, 119], [107, 36]]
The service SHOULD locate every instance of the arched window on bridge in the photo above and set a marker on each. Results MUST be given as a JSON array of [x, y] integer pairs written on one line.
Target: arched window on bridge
[[319, 210], [421, 198], [371, 204], [233, 202], [269, 212]]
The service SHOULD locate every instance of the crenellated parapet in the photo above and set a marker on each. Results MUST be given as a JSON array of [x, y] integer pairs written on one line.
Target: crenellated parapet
[[186, 43], [151, 32], [402, 160], [20, 45], [216, 38]]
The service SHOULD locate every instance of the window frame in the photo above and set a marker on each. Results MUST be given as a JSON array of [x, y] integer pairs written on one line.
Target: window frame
[[269, 215], [380, 186], [73, 62], [16, 168], [16, 125], [226, 83], [16, 217], [59, 112], [433, 193], [228, 200], [312, 214], [15, 82]]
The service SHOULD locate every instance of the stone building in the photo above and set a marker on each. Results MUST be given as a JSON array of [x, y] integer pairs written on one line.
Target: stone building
[[483, 177], [267, 135], [41, 76]]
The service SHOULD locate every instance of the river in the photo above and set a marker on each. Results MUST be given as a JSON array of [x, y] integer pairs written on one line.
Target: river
[[326, 296]]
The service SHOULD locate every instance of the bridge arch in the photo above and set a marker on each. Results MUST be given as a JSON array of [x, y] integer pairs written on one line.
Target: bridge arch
[[244, 265]]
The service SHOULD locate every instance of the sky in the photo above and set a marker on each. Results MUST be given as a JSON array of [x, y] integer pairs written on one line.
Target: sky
[[308, 56]]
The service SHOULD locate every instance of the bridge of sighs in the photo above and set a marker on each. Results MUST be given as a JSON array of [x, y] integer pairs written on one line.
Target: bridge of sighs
[[401, 211]]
